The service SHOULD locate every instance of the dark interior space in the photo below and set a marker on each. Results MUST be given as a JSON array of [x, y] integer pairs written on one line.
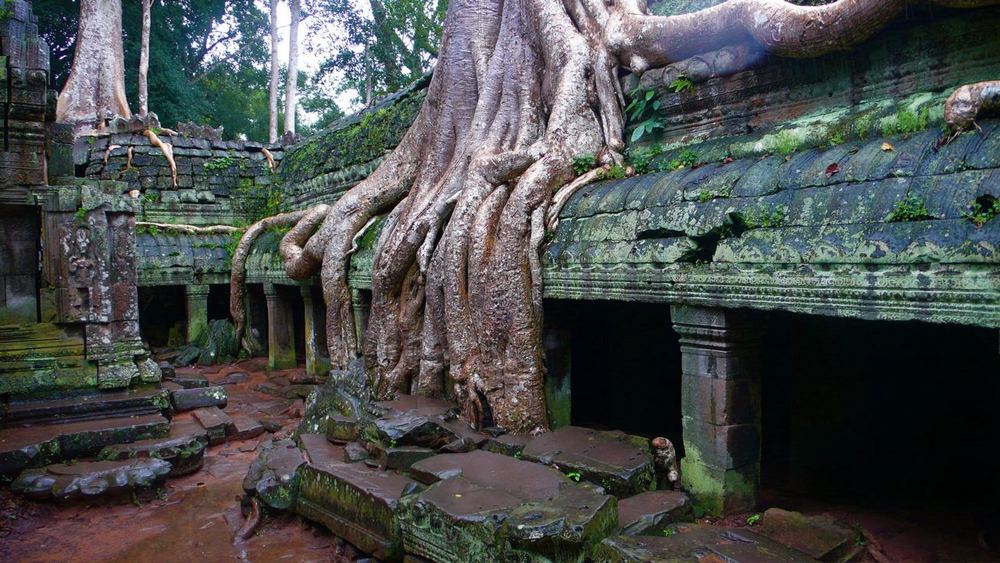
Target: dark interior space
[[218, 301], [625, 366], [256, 304], [881, 413], [320, 307], [161, 309], [292, 296], [19, 232]]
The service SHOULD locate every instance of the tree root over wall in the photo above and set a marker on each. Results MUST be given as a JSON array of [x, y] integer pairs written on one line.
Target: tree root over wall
[[521, 89]]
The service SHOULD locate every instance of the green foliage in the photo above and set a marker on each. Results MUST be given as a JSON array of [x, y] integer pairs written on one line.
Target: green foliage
[[983, 210], [81, 215], [686, 159], [785, 143], [669, 531], [704, 196], [642, 113], [906, 122], [583, 164], [910, 208], [642, 159], [574, 475], [863, 125], [763, 218], [616, 172], [378, 50], [681, 83], [753, 519], [6, 10], [220, 163]]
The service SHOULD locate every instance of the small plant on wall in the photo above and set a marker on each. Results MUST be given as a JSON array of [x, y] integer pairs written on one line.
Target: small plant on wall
[[642, 113]]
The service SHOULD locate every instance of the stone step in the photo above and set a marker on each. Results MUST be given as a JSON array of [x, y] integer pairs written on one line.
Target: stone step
[[216, 423], [356, 502], [650, 513], [65, 482], [35, 446], [86, 406], [697, 542], [37, 341], [482, 506], [620, 463], [197, 397], [185, 453]]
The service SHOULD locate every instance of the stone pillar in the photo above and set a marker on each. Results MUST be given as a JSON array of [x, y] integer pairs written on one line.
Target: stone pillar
[[197, 312], [720, 396], [280, 330], [317, 362], [361, 303]]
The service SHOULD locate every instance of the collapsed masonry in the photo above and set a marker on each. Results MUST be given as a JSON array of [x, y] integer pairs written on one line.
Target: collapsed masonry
[[810, 187]]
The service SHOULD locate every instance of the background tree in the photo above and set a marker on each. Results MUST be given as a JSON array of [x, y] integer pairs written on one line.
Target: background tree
[[379, 52], [291, 84], [207, 59], [96, 82], [147, 5], [272, 99]]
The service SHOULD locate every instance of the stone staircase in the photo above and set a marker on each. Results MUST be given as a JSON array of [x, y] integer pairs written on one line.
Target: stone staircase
[[40, 357]]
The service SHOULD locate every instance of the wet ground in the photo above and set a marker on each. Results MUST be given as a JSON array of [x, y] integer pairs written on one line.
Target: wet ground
[[194, 518], [189, 519]]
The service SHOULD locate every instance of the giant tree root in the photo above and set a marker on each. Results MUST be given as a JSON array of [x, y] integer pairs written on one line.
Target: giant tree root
[[251, 523], [521, 89], [969, 102]]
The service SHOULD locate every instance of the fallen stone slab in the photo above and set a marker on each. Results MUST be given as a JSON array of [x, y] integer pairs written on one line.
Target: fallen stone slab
[[234, 378], [272, 476], [87, 406], [185, 454], [189, 379], [355, 452], [697, 542], [64, 482], [482, 506], [188, 427], [506, 444], [428, 423], [167, 369], [190, 399], [821, 537], [245, 428], [342, 429], [400, 458], [216, 423], [35, 446], [354, 501], [650, 513], [620, 463]]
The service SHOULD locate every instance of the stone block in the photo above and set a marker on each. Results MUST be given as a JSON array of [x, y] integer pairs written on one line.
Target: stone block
[[189, 399], [820, 537], [725, 446], [90, 478], [720, 401], [185, 454], [188, 379], [696, 542], [342, 429], [613, 460], [216, 423], [246, 428], [272, 477], [650, 513], [506, 444], [717, 491], [400, 458]]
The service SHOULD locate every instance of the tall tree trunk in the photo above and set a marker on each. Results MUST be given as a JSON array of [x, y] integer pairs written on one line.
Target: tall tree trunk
[[272, 100], [147, 6], [521, 89], [291, 85], [96, 83]]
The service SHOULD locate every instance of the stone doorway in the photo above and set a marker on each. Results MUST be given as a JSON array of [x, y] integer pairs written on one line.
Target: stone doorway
[[19, 233]]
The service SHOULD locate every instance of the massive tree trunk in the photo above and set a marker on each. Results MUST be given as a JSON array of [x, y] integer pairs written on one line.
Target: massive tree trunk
[[272, 99], [147, 6], [96, 83], [292, 83], [521, 89]]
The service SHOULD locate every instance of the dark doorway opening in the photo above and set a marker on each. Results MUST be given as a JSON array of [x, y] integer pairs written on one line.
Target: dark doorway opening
[[256, 304], [218, 301], [162, 315], [625, 366], [893, 419]]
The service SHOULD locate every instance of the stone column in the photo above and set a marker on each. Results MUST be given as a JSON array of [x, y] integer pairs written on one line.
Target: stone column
[[720, 397], [361, 304], [280, 330], [317, 364], [197, 312]]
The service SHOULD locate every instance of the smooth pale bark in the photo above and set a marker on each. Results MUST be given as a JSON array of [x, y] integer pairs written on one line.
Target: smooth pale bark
[[147, 6], [96, 83], [272, 99], [520, 90], [291, 85]]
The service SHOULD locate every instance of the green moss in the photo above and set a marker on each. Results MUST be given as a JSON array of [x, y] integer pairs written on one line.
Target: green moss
[[785, 143], [910, 208], [583, 164], [220, 163], [906, 121]]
